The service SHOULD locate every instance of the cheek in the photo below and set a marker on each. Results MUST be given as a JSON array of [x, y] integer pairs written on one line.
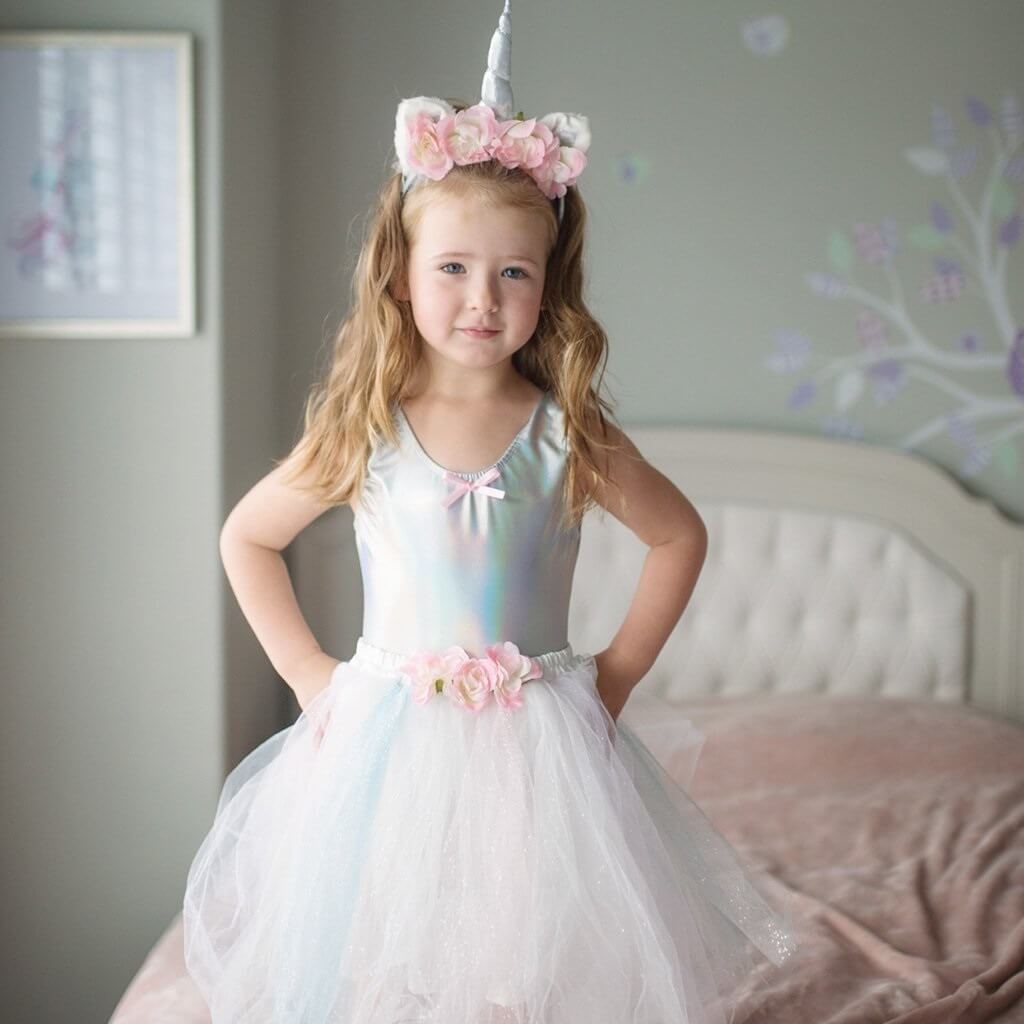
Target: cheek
[[529, 305], [431, 300]]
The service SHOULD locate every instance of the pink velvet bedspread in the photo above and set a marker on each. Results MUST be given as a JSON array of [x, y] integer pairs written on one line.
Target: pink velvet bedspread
[[893, 830]]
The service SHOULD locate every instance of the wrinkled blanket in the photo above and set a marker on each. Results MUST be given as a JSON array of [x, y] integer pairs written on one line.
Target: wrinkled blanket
[[896, 827]]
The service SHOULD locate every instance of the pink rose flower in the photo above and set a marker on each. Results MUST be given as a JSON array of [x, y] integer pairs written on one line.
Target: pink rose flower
[[515, 669], [472, 682], [523, 144], [425, 154], [431, 671], [467, 136], [560, 171]]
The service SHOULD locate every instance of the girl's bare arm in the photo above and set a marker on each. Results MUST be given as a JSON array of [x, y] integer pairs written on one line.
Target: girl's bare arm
[[666, 521], [259, 527]]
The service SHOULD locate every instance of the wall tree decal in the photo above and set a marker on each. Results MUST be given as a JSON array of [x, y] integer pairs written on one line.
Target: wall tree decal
[[980, 382]]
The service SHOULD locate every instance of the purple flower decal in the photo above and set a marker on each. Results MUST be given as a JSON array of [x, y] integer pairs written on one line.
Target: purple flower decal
[[1015, 365], [1009, 231], [941, 218], [791, 352], [1012, 119], [976, 456], [978, 111], [875, 244], [945, 287], [888, 379], [766, 36], [802, 394]]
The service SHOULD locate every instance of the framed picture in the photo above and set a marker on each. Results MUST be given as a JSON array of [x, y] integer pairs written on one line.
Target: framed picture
[[97, 193]]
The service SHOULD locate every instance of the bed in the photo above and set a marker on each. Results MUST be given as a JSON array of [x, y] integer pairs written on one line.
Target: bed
[[843, 697]]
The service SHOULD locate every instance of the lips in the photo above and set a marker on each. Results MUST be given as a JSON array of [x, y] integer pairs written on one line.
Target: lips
[[478, 332]]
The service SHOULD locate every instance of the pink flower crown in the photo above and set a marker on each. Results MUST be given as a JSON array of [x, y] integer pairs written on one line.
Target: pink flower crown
[[431, 138]]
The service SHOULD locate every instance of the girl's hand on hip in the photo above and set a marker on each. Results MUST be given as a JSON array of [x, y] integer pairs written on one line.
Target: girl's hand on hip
[[614, 682], [309, 679], [311, 683]]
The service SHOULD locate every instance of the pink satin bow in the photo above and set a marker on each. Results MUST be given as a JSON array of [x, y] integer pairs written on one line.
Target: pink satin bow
[[463, 486]]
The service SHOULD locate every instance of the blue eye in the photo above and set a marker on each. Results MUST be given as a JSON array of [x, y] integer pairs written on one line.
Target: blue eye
[[518, 269]]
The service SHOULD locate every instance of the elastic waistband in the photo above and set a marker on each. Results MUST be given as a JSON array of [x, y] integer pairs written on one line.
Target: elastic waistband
[[379, 657]]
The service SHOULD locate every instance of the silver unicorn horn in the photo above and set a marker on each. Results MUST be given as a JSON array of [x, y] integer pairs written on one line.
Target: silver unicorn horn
[[496, 90]]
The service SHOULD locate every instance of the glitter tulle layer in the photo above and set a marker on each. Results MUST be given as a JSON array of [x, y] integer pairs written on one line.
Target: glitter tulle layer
[[382, 861]]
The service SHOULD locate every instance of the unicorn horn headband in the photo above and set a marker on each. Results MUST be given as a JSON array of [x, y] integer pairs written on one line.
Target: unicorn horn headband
[[431, 138]]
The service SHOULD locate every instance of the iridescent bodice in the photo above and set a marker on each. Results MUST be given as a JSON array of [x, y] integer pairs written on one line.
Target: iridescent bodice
[[449, 561]]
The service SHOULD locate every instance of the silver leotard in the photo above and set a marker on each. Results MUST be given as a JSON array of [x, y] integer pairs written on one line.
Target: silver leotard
[[481, 569]]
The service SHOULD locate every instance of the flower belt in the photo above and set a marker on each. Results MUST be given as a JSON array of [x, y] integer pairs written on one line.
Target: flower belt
[[471, 682]]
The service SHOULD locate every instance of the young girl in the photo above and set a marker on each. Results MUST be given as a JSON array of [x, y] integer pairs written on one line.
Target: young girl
[[456, 829]]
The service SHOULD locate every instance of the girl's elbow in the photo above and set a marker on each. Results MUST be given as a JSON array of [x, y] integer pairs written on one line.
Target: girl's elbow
[[229, 535], [702, 532], [696, 542], [696, 533]]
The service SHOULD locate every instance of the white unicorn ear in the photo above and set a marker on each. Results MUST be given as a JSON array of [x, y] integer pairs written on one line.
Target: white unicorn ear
[[408, 111], [571, 129], [496, 89]]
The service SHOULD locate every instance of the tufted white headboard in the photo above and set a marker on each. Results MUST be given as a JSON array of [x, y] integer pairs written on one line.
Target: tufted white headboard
[[833, 567]]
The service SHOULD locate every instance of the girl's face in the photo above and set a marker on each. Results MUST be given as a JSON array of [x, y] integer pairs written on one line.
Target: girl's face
[[476, 265]]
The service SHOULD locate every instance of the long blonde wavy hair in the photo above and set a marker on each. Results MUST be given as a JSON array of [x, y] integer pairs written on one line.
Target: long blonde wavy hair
[[377, 347]]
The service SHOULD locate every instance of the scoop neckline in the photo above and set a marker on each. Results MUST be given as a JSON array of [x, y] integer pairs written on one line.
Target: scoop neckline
[[505, 455]]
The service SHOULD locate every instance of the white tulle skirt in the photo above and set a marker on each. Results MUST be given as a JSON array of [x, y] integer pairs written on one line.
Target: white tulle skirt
[[383, 861]]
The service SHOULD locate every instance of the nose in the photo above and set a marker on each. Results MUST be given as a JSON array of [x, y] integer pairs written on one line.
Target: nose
[[485, 294]]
